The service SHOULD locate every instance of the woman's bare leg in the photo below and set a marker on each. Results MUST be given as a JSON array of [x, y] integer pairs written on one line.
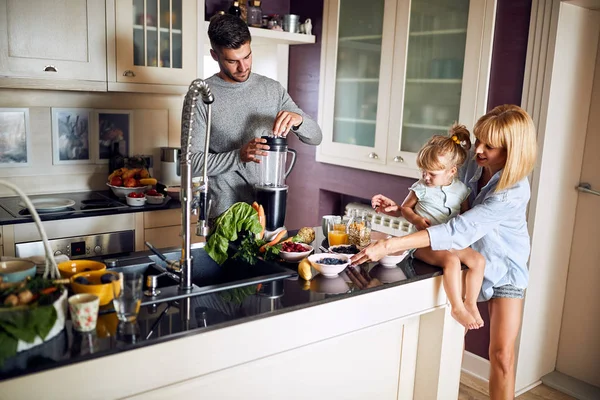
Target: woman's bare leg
[[505, 322], [452, 282], [476, 263]]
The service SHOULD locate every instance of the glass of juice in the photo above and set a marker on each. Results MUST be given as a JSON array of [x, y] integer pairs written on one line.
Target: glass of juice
[[336, 233]]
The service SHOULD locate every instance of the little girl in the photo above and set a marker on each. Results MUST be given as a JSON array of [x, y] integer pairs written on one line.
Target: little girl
[[434, 199]]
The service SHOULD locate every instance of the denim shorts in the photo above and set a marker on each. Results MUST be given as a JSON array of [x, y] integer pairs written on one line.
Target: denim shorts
[[508, 292]]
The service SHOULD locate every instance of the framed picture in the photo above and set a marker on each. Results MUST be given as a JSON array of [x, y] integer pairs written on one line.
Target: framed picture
[[71, 136], [14, 137], [113, 126]]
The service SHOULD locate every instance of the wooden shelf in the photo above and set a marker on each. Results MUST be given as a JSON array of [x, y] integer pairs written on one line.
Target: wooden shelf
[[444, 81], [153, 29], [356, 120], [269, 36], [357, 80], [442, 32], [427, 126]]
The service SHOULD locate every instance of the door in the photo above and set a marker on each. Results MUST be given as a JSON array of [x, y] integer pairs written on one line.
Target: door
[[357, 78], [579, 344], [59, 39], [434, 85], [156, 41]]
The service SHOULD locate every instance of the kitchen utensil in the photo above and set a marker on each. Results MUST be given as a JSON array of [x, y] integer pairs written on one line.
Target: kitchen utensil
[[391, 260], [49, 204], [16, 270], [84, 311], [69, 268], [172, 263], [291, 23], [271, 190], [128, 296], [103, 290]]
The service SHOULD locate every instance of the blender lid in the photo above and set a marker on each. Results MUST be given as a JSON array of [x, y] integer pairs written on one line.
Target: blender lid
[[276, 143]]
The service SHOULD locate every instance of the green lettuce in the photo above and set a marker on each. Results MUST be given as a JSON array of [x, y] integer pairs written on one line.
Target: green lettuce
[[240, 217]]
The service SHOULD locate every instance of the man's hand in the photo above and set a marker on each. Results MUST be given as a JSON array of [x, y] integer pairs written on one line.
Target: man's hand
[[253, 150], [384, 205], [284, 122]]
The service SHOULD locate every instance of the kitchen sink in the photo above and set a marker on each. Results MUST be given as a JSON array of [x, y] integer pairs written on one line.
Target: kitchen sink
[[211, 277], [207, 275]]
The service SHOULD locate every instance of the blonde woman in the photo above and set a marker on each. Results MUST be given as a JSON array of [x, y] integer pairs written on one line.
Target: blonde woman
[[434, 199], [495, 226]]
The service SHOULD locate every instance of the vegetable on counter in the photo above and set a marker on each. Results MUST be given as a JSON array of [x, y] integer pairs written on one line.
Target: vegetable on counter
[[273, 242], [240, 217], [304, 235]]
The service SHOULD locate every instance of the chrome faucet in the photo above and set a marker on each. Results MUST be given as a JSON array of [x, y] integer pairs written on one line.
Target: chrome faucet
[[198, 88]]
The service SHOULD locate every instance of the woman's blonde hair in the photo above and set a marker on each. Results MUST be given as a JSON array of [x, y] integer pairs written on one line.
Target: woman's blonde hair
[[444, 152], [511, 128]]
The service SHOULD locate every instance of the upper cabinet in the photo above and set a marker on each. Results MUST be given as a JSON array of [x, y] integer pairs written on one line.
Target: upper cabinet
[[58, 44], [156, 44], [394, 73]]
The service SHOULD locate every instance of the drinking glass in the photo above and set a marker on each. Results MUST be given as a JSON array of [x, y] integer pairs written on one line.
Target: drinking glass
[[127, 296], [336, 232], [325, 220]]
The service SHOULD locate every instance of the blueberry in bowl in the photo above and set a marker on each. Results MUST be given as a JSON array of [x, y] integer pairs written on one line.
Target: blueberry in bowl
[[328, 264]]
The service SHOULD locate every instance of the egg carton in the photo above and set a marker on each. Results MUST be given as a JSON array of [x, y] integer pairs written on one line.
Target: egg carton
[[395, 226]]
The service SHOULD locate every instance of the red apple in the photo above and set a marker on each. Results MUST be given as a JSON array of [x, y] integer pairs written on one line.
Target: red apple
[[130, 182], [116, 181]]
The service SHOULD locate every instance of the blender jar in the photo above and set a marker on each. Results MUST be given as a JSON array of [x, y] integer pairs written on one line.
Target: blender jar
[[272, 169]]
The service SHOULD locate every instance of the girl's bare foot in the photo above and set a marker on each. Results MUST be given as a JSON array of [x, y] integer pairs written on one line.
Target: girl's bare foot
[[474, 311], [464, 317]]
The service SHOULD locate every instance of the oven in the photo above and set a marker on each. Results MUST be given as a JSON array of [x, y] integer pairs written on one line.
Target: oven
[[88, 246], [70, 228]]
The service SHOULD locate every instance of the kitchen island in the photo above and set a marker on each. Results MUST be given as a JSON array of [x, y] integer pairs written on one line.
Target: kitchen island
[[321, 339]]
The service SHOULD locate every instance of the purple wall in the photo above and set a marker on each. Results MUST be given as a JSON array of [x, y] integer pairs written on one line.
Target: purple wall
[[313, 185]]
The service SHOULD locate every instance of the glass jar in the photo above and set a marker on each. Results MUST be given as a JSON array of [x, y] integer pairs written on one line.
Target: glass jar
[[359, 229], [255, 14]]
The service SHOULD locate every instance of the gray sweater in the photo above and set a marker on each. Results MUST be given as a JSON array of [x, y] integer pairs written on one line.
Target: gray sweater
[[240, 112]]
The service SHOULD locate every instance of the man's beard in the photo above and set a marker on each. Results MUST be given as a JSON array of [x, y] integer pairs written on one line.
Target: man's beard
[[235, 78]]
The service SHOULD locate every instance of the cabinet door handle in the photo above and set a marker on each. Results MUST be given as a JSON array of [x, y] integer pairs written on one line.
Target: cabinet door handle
[[398, 159], [50, 68], [374, 156], [129, 73]]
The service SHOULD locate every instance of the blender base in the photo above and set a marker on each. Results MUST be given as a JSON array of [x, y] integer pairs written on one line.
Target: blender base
[[270, 235]]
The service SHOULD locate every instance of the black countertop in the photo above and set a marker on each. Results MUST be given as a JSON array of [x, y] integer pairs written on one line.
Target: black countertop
[[6, 218], [164, 322]]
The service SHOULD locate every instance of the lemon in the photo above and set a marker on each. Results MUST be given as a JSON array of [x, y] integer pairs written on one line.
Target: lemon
[[305, 269]]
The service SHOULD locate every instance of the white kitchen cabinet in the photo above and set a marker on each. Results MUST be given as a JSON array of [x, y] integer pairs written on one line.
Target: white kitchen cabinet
[[394, 73], [59, 44], [155, 45]]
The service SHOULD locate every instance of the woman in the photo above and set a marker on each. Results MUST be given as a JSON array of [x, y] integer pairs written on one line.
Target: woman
[[495, 226]]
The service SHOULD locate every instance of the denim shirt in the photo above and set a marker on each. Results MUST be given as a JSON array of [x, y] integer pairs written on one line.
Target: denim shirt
[[495, 226]]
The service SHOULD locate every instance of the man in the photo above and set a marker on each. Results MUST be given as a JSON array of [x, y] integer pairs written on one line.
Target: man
[[246, 107]]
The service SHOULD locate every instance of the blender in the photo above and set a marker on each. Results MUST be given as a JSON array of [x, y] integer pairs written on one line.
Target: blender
[[271, 190]]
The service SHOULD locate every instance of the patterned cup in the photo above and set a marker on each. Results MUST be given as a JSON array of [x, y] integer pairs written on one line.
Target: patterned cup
[[84, 311]]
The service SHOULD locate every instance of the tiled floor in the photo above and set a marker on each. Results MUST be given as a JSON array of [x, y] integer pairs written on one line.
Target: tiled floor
[[540, 392]]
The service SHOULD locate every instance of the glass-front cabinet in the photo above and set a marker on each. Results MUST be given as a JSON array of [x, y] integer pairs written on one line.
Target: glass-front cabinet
[[397, 72], [156, 41]]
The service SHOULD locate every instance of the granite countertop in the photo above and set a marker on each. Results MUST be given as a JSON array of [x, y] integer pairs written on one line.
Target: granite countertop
[[7, 218], [163, 322]]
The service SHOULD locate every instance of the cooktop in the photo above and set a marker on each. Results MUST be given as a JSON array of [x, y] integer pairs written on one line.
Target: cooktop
[[62, 203]]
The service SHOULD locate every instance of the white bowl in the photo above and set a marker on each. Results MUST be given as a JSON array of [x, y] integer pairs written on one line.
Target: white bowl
[[155, 199], [122, 191], [336, 249], [296, 256], [391, 260], [135, 201], [173, 192], [327, 269]]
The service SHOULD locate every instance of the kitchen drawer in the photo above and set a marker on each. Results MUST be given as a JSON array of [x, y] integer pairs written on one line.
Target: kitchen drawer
[[168, 236], [156, 219]]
